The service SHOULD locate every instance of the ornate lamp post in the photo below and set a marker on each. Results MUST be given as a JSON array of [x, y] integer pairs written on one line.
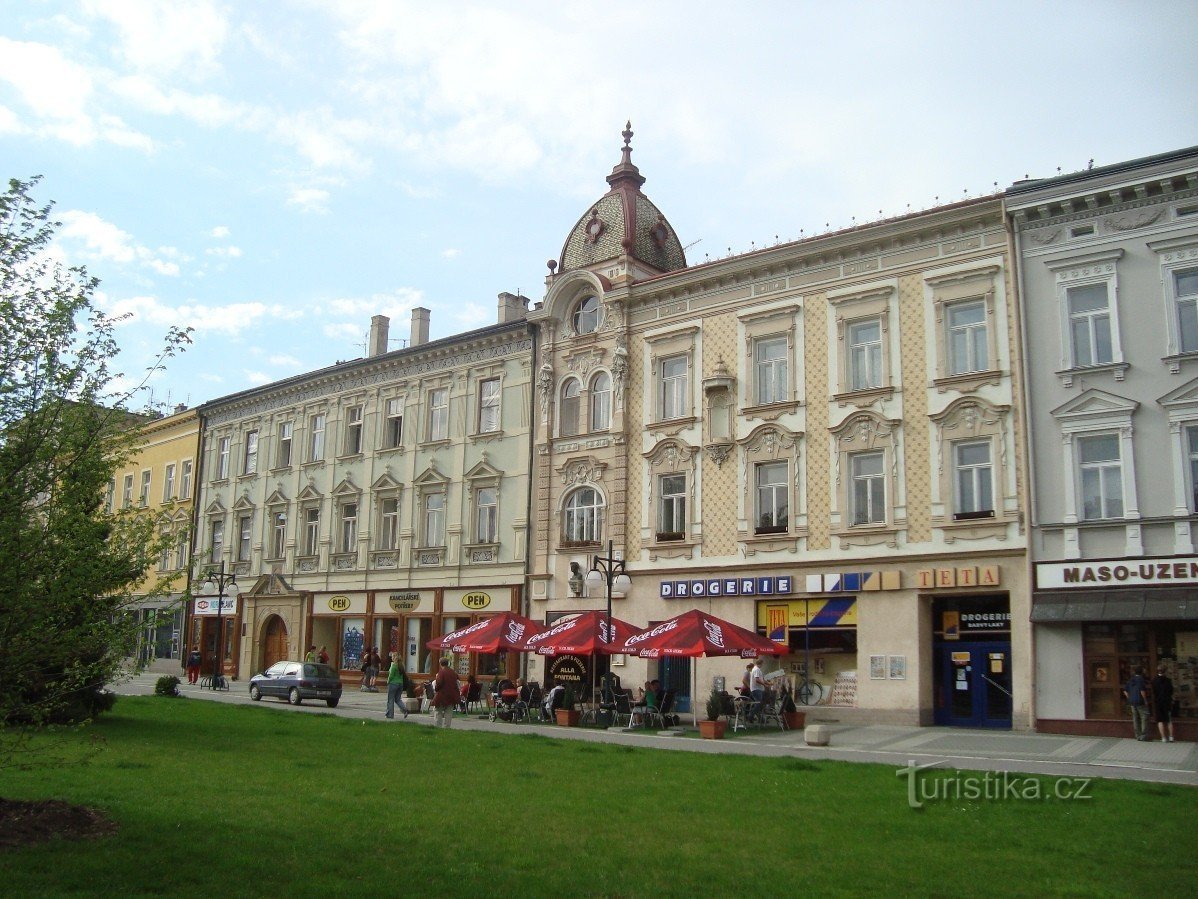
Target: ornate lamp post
[[220, 585], [611, 572]]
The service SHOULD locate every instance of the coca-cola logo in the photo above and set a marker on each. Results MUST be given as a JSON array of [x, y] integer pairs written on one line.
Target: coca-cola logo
[[715, 633], [515, 631], [466, 631], [652, 632], [553, 631]]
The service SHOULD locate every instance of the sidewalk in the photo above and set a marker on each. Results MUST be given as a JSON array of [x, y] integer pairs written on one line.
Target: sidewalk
[[978, 750]]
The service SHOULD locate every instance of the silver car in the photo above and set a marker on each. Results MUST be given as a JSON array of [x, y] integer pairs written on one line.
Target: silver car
[[297, 681]]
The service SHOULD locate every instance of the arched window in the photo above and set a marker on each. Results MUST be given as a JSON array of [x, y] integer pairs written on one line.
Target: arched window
[[568, 423], [586, 316], [601, 402], [584, 516]]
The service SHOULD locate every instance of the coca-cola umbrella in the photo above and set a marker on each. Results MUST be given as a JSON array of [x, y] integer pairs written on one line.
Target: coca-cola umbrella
[[693, 634], [499, 633], [586, 634]]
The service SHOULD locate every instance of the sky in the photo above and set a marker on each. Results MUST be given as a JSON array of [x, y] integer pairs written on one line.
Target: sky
[[273, 174]]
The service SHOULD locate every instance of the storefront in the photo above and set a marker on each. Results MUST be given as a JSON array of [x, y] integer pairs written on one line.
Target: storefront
[[1096, 622]]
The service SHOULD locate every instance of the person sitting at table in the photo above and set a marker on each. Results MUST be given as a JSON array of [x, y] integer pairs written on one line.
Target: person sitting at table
[[554, 700], [646, 701], [467, 685]]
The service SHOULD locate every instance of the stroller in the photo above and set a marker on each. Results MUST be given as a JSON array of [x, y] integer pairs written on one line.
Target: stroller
[[507, 703]]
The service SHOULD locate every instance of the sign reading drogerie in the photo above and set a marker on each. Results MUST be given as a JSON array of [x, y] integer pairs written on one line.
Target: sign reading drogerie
[[1117, 573]]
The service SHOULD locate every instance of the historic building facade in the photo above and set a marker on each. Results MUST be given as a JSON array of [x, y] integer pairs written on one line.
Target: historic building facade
[[1109, 281], [819, 440], [376, 503]]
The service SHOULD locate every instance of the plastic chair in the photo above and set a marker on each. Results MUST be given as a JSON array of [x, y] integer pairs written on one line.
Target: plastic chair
[[660, 713], [622, 708], [769, 711]]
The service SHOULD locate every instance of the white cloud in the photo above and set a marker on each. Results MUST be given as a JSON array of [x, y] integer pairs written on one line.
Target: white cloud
[[451, 253], [394, 305], [219, 232], [472, 315], [284, 361], [53, 86], [228, 321], [229, 252], [257, 378], [98, 240], [343, 331], [170, 37], [309, 199]]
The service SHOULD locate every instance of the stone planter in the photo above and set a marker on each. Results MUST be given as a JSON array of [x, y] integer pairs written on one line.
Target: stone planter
[[794, 720], [411, 703], [712, 730], [567, 717]]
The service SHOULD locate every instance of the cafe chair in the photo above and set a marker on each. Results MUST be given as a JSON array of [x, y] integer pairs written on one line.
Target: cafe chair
[[661, 713], [769, 711]]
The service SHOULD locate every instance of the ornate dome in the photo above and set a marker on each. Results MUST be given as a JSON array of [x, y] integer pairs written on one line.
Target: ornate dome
[[624, 220]]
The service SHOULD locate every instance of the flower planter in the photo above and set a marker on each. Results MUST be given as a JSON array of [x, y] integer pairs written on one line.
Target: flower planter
[[795, 720], [567, 717], [712, 730]]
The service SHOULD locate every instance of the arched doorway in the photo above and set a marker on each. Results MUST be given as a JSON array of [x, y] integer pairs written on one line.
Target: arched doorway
[[274, 642]]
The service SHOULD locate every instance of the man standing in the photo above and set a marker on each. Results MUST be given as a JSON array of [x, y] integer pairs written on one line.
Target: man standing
[[1136, 691], [194, 660], [757, 686], [446, 695], [395, 685]]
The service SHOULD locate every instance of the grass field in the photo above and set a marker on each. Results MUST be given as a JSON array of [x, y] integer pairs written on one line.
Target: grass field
[[220, 800]]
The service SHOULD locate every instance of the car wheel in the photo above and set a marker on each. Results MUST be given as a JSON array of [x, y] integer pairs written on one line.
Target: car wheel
[[294, 696], [332, 703], [255, 693]]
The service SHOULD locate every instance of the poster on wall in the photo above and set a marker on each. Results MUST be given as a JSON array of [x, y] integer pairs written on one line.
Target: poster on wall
[[877, 667], [897, 667]]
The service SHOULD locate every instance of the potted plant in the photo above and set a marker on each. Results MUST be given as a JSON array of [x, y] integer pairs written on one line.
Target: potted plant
[[567, 715], [713, 727]]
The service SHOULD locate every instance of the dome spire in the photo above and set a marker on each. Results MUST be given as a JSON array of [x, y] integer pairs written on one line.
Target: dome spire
[[625, 171]]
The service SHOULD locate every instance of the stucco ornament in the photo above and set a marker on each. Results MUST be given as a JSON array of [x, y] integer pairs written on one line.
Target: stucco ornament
[[619, 370]]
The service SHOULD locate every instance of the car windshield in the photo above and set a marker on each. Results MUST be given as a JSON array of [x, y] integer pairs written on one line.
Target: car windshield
[[319, 671]]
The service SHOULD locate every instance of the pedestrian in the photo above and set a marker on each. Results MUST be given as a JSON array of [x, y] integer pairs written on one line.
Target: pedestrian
[[446, 696], [756, 688], [323, 655], [372, 673], [396, 681], [1162, 703], [194, 660], [746, 681], [365, 669], [311, 655], [1136, 691]]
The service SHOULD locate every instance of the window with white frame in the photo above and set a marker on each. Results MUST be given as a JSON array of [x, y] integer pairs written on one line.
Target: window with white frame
[[286, 434], [1100, 471], [311, 531], [1089, 325], [216, 541], [143, 498], [601, 402], [868, 494], [244, 536], [583, 519], [434, 518], [127, 492], [865, 354], [393, 426], [222, 458], [353, 431], [973, 480], [388, 523], [671, 514], [772, 512], [568, 424], [486, 515], [673, 401], [968, 343], [168, 483], [164, 556], [250, 462], [586, 316], [349, 527], [1192, 459], [278, 533], [316, 425], [488, 406], [110, 496], [438, 414], [185, 480], [1185, 294], [770, 369], [181, 550]]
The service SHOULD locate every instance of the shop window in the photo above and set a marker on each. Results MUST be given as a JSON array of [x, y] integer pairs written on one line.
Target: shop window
[[600, 391], [418, 658], [283, 451], [568, 424], [583, 519]]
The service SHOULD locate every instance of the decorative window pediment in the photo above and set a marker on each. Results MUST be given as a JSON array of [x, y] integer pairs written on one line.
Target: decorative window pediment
[[582, 471], [1095, 409], [347, 487], [243, 504], [309, 493], [770, 441], [483, 470], [277, 497], [385, 482], [429, 477]]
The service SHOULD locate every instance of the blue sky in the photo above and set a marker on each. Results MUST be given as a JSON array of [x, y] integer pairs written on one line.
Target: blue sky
[[274, 174]]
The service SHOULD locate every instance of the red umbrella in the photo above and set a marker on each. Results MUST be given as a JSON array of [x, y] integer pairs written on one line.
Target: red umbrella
[[499, 633], [582, 635], [696, 633]]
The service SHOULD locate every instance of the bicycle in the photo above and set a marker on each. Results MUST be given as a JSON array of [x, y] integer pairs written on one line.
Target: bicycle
[[810, 692], [222, 682]]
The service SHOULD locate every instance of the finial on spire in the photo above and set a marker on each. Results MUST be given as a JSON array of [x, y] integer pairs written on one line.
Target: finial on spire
[[625, 171], [627, 133]]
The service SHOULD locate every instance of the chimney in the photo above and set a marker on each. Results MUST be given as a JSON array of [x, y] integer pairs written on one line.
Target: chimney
[[512, 307], [419, 334], [379, 325]]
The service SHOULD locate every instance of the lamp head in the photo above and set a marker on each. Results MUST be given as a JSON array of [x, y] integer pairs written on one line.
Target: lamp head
[[594, 578]]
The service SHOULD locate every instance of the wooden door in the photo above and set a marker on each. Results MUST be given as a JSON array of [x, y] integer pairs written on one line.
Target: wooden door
[[274, 642]]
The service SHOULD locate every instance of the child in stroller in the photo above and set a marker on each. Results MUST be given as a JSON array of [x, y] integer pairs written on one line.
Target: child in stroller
[[505, 700]]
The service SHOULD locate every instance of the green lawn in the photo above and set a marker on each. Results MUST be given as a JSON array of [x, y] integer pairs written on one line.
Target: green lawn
[[221, 800]]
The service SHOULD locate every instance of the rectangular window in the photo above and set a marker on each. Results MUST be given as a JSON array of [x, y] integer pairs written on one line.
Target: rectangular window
[[486, 515], [349, 527], [568, 426], [1192, 452], [311, 532], [868, 498], [671, 523], [244, 535], [1090, 325], [438, 414], [222, 458], [216, 546], [127, 492], [389, 524], [168, 483], [143, 498], [316, 438], [185, 480], [353, 431], [974, 480], [1185, 289], [278, 534], [673, 387], [865, 354], [250, 465], [1101, 475], [967, 337], [488, 406], [770, 364], [283, 457], [601, 402], [434, 519], [110, 497], [773, 514], [181, 551], [164, 559], [394, 425]]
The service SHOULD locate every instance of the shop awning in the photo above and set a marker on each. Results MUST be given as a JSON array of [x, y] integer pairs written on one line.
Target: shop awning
[[1160, 604]]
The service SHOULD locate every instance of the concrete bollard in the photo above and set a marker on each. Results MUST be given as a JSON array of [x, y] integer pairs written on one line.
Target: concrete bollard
[[816, 735]]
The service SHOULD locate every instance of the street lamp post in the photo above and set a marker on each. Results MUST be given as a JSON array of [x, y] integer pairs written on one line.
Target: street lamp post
[[219, 584], [611, 572]]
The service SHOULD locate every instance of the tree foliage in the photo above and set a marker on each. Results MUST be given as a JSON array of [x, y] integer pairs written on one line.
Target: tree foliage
[[67, 563]]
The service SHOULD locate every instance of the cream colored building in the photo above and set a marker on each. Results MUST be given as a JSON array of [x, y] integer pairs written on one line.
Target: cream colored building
[[819, 440]]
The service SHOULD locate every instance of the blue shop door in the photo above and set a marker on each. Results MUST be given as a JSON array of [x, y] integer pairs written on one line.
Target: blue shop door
[[676, 675], [973, 685]]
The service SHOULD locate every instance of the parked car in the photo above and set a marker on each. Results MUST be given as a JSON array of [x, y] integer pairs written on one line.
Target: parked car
[[297, 681]]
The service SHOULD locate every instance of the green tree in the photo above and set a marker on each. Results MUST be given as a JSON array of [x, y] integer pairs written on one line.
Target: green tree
[[67, 563]]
